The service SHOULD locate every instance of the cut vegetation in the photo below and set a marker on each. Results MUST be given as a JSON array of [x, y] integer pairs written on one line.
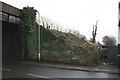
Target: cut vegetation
[[63, 47]]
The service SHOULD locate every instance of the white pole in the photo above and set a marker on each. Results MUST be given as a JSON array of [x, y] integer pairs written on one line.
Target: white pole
[[39, 36]]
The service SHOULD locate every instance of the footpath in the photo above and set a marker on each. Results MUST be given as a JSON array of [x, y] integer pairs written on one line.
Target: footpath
[[102, 69]]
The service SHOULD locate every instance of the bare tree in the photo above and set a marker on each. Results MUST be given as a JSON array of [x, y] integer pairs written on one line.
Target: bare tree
[[43, 21], [48, 23], [94, 31], [109, 41], [70, 31], [78, 34]]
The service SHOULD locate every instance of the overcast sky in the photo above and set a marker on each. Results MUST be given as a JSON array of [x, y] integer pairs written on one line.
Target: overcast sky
[[78, 14]]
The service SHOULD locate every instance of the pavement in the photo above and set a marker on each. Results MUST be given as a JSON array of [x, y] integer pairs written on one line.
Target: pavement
[[102, 69]]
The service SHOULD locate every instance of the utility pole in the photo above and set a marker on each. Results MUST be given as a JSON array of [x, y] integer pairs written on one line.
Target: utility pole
[[94, 31]]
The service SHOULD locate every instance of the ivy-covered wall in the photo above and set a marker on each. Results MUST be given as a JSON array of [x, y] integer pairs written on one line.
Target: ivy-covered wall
[[29, 31]]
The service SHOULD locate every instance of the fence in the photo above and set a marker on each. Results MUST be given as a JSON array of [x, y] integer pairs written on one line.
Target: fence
[[112, 53]]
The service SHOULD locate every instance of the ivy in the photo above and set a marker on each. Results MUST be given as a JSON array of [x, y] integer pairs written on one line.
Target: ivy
[[28, 20], [29, 32]]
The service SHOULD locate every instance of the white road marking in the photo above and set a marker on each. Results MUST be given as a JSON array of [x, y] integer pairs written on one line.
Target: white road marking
[[37, 75], [5, 69]]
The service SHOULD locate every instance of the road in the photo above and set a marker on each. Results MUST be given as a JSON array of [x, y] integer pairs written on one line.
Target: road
[[34, 71]]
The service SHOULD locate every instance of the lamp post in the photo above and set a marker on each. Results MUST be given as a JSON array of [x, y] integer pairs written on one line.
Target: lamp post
[[38, 35]]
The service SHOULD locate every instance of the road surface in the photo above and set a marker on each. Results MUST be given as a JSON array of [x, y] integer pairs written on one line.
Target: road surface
[[34, 71]]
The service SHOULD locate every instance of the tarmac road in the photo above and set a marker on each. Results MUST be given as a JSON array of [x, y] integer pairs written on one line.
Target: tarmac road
[[15, 70]]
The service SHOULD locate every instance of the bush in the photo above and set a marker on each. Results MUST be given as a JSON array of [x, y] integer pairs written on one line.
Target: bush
[[71, 57]]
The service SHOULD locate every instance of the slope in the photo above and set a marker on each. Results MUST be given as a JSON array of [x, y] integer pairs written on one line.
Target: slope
[[63, 47]]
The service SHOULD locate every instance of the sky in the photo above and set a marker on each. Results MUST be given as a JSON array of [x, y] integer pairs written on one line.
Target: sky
[[78, 15]]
